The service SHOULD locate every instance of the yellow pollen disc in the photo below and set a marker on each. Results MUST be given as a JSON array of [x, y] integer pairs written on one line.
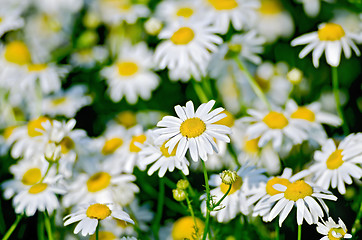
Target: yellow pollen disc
[[275, 120], [185, 12], [228, 120], [104, 235], [270, 7], [236, 186], [164, 150], [98, 211], [127, 119], [276, 180], [298, 190], [111, 145], [36, 67], [140, 139], [263, 83], [66, 145], [58, 101], [337, 230], [37, 188], [335, 160], [8, 131], [303, 113], [98, 182], [184, 228], [127, 69], [331, 32], [192, 127], [17, 52], [183, 36], [251, 146], [35, 124], [32, 176], [223, 4]]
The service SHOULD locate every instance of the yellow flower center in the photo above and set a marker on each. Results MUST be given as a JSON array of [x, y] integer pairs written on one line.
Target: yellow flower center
[[251, 146], [127, 69], [275, 120], [34, 125], [228, 120], [164, 150], [234, 187], [8, 131], [223, 4], [66, 145], [17, 52], [98, 182], [192, 127], [98, 211], [139, 139], [36, 67], [104, 235], [335, 160], [298, 190], [58, 101], [337, 230], [303, 113], [111, 145], [127, 119], [331, 32], [183, 36], [185, 12], [32, 176], [275, 180], [1, 19], [270, 7], [184, 228], [37, 188]]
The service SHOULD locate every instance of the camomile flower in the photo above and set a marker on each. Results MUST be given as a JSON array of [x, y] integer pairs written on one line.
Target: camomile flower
[[304, 196], [9, 20], [193, 130], [350, 22], [89, 57], [172, 10], [330, 37], [131, 76], [337, 164], [332, 230], [186, 49], [161, 159], [220, 13], [183, 228], [90, 215]]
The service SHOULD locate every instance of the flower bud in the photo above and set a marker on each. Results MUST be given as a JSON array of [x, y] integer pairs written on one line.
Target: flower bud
[[153, 26], [52, 152], [295, 76], [228, 177], [182, 184], [179, 194]]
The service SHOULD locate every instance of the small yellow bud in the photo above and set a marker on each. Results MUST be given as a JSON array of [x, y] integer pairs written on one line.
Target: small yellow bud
[[153, 26], [179, 194], [295, 76], [228, 177], [182, 184]]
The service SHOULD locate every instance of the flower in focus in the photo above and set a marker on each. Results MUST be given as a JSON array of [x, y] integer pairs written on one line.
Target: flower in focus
[[332, 230]]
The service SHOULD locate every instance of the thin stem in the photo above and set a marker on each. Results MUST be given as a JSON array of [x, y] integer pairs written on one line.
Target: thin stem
[[12, 228], [189, 187], [200, 92], [299, 232], [206, 230], [338, 102], [223, 197], [46, 173], [97, 231], [357, 222], [192, 214], [40, 227], [254, 85], [276, 231], [48, 226], [161, 196]]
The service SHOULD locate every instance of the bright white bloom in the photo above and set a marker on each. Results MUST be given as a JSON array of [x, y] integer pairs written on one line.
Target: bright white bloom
[[304, 196], [9, 20], [193, 130], [171, 10], [330, 37], [333, 230], [90, 216], [351, 22], [131, 76], [335, 165], [187, 49]]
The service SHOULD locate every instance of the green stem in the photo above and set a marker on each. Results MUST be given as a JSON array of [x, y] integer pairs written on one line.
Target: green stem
[[208, 200], [223, 197], [48, 226], [97, 231], [338, 102], [276, 231], [357, 222], [200, 91], [299, 232], [192, 214], [254, 85], [46, 173], [161, 196], [12, 228], [40, 227], [2, 222], [189, 187]]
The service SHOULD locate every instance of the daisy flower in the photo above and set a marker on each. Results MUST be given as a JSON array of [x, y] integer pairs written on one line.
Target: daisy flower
[[303, 195], [161, 159], [332, 230], [183, 228], [193, 130], [239, 13], [131, 76], [336, 164], [90, 216], [89, 57], [187, 49], [330, 37], [9, 20], [172, 10]]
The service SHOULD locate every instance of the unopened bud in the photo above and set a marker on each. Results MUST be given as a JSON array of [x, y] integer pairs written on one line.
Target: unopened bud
[[295, 76], [182, 184], [52, 152], [153, 26], [228, 177], [91, 20], [179, 194]]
